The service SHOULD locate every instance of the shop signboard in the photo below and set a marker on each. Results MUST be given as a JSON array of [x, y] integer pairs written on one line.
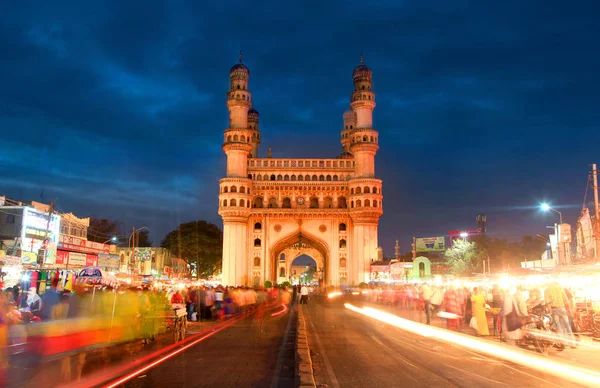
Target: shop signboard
[[62, 257], [77, 259], [108, 261], [80, 245], [37, 233], [431, 244], [91, 260], [28, 258]]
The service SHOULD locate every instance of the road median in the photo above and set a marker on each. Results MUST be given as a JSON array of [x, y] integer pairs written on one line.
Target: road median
[[304, 367]]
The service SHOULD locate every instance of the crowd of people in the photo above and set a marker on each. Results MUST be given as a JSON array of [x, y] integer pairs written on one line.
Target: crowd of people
[[476, 307]]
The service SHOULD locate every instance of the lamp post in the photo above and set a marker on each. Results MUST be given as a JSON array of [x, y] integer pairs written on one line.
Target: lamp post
[[561, 247]]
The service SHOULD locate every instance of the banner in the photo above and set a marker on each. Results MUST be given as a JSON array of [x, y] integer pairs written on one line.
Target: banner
[[108, 261], [431, 244], [143, 254], [585, 235]]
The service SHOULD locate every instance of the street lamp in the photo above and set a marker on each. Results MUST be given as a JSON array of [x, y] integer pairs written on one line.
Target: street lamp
[[545, 207], [464, 235], [558, 231], [113, 239]]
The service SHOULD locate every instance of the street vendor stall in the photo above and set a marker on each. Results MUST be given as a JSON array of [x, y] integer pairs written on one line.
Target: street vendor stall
[[96, 276]]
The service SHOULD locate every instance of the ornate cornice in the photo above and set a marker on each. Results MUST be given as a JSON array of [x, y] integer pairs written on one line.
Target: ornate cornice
[[300, 213], [247, 147], [228, 180], [364, 146]]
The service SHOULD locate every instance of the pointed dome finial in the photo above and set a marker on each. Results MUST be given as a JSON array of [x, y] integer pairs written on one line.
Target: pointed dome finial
[[362, 58], [240, 56]]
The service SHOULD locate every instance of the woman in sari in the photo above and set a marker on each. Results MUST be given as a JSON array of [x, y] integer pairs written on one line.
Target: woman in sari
[[452, 306], [478, 305]]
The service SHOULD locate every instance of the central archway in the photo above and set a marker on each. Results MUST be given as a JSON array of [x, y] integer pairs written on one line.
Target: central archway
[[291, 247]]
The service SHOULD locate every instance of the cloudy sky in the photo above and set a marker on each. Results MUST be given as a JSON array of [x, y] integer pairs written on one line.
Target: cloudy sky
[[116, 109]]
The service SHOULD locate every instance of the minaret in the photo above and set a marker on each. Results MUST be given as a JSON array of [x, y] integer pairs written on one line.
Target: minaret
[[365, 139], [253, 127], [365, 189], [349, 125], [238, 137], [397, 250], [235, 189]]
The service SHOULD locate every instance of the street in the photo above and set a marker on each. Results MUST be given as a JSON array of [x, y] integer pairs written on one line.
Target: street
[[252, 353], [351, 350]]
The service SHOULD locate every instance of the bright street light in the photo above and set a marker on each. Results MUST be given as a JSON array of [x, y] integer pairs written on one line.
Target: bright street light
[[113, 239], [545, 207], [464, 234]]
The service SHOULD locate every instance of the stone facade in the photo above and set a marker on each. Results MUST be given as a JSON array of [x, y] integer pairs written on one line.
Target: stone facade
[[276, 209]]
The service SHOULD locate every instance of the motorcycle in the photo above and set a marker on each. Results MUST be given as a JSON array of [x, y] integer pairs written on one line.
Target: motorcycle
[[541, 330]]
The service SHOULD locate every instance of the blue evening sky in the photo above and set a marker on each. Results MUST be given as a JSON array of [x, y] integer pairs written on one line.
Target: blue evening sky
[[116, 109]]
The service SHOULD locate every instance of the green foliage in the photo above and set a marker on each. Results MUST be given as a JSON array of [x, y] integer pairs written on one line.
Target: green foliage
[[142, 239], [268, 284], [363, 285], [285, 284], [101, 230], [504, 254], [199, 243], [463, 258]]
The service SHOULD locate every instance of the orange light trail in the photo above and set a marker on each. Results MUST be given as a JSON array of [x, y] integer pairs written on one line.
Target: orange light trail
[[139, 371], [565, 371], [285, 308]]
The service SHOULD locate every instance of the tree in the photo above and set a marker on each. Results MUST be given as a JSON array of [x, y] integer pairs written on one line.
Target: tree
[[142, 239], [101, 230], [198, 243], [463, 257]]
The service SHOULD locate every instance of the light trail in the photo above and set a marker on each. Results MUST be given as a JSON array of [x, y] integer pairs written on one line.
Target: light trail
[[285, 308], [533, 361], [334, 294], [139, 371]]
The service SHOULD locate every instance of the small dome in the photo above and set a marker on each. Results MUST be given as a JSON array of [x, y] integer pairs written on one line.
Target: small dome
[[361, 69], [253, 112], [240, 67], [345, 155]]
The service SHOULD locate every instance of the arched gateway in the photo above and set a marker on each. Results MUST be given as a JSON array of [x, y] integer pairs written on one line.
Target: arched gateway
[[276, 209]]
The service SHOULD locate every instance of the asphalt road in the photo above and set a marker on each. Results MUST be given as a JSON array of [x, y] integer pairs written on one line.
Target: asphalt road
[[351, 350], [255, 352]]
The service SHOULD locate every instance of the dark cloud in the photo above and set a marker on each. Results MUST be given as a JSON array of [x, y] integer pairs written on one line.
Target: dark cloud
[[117, 110]]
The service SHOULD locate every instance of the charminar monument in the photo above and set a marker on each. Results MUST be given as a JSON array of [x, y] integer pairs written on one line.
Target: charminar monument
[[276, 209]]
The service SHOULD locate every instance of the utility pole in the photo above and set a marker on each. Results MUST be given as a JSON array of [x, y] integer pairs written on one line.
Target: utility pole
[[597, 229], [133, 249], [44, 247]]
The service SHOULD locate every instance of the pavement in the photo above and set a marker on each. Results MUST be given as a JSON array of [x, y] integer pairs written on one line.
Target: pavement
[[353, 350]]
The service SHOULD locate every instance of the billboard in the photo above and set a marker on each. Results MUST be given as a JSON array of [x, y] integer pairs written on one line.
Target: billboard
[[34, 236], [80, 245], [430, 244]]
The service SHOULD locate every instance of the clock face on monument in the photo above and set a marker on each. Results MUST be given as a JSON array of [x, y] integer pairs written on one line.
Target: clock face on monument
[[300, 200]]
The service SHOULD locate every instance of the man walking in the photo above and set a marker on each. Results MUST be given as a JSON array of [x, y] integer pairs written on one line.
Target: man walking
[[304, 295], [555, 296]]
